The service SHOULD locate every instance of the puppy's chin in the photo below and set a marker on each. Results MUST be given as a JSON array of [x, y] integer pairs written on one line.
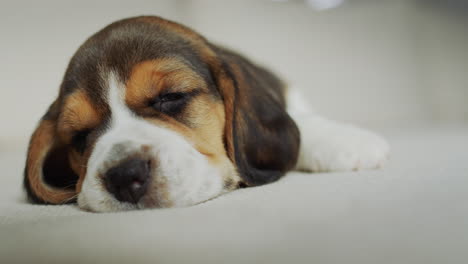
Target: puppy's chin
[[103, 205]]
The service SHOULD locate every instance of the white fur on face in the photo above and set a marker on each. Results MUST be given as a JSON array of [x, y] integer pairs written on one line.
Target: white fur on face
[[181, 176]]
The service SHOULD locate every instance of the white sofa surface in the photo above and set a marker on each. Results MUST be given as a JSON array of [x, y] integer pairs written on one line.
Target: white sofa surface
[[414, 210]]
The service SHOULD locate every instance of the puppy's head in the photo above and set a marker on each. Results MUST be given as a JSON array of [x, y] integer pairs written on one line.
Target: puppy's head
[[150, 114]]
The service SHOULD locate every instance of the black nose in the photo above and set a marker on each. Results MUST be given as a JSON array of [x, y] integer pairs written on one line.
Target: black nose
[[128, 181]]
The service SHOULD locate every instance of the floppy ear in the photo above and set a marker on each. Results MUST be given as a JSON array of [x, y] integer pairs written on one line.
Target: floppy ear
[[260, 136], [48, 176]]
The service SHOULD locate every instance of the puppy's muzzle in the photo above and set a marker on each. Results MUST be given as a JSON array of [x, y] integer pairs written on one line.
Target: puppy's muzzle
[[128, 181]]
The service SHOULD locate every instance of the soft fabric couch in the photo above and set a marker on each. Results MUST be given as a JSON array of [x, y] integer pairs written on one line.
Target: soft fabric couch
[[414, 210]]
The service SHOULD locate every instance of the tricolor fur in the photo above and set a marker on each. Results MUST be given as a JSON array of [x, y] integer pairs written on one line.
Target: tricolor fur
[[149, 96]]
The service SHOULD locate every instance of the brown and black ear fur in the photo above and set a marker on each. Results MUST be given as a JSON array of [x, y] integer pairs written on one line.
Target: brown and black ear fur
[[48, 176], [260, 137]]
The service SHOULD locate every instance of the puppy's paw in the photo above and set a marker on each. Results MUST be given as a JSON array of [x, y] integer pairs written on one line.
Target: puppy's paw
[[340, 147]]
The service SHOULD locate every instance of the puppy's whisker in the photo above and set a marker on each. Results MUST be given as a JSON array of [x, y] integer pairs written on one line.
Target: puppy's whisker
[[69, 186], [70, 199]]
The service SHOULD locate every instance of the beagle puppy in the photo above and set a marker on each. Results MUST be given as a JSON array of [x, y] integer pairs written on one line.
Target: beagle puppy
[[150, 114]]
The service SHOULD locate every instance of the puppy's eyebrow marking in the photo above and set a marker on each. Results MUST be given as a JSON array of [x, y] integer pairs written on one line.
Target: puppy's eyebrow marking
[[78, 114], [152, 77]]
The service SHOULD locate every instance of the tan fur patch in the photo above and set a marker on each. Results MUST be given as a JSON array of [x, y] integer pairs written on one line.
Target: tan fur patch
[[227, 89], [206, 136], [41, 142], [78, 114]]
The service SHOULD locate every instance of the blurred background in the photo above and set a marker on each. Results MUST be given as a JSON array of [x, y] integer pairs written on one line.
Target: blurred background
[[380, 64]]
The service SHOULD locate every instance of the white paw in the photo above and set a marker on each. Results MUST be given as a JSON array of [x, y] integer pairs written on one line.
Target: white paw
[[330, 146]]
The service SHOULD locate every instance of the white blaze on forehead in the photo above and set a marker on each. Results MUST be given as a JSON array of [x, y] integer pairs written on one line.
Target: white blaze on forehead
[[187, 175], [116, 99]]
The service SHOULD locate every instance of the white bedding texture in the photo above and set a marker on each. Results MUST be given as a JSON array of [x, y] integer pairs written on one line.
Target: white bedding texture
[[414, 210]]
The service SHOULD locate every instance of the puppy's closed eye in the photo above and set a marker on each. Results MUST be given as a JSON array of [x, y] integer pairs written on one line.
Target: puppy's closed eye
[[172, 103]]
